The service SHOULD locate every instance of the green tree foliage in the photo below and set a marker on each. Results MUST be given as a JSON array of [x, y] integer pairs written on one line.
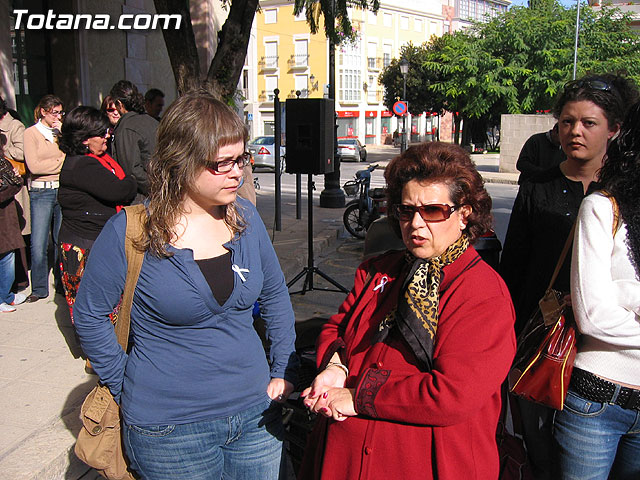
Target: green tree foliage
[[516, 62]]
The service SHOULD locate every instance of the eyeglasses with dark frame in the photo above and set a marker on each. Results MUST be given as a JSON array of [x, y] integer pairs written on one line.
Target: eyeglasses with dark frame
[[59, 113], [225, 166], [432, 213], [592, 84]]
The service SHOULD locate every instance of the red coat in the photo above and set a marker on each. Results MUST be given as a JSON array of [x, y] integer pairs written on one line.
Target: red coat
[[413, 424]]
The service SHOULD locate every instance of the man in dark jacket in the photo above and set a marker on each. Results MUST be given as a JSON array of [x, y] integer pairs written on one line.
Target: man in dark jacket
[[134, 135]]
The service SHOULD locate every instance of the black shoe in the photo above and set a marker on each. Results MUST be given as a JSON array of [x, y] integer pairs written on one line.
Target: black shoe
[[32, 298]]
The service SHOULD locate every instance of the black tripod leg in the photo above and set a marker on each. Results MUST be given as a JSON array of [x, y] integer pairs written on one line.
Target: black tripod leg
[[297, 277], [330, 280]]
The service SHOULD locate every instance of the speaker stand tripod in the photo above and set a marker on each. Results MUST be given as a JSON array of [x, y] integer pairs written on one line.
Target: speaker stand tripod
[[308, 271]]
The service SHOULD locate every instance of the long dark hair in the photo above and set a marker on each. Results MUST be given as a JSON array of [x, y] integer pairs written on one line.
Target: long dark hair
[[127, 93], [80, 124], [620, 175]]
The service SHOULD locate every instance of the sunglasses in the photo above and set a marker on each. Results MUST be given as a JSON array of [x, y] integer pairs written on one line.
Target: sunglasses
[[59, 113], [111, 110], [225, 166], [592, 84], [432, 213]]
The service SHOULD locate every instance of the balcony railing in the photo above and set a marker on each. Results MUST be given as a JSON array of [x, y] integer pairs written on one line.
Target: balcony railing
[[374, 63], [266, 96], [298, 61], [268, 63]]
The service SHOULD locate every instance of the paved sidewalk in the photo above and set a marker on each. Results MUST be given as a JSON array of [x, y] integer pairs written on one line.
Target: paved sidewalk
[[42, 377]]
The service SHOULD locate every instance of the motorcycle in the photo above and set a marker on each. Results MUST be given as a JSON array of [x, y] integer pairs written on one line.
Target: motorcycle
[[370, 204]]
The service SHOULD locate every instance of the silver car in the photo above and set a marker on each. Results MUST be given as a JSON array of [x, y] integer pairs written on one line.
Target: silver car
[[352, 149], [263, 150]]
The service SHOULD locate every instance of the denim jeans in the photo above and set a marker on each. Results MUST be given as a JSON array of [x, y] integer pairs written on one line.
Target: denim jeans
[[245, 446], [46, 218], [596, 441], [7, 275]]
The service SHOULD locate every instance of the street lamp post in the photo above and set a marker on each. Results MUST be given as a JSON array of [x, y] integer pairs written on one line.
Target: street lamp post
[[404, 69]]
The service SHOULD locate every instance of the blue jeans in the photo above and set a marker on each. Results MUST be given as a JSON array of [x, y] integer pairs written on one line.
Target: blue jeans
[[596, 441], [7, 275], [245, 446], [46, 218]]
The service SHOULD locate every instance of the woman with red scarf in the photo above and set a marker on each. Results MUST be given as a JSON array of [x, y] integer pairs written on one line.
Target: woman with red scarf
[[93, 187]]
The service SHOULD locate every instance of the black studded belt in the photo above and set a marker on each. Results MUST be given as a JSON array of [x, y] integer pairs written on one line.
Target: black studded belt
[[596, 389]]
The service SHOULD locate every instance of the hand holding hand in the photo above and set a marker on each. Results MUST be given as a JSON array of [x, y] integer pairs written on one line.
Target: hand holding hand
[[329, 378], [337, 403]]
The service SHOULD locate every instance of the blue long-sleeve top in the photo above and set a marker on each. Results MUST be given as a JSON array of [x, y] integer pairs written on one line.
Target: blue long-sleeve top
[[191, 358]]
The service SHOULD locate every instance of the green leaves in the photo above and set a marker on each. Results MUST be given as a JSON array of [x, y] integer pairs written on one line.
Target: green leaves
[[516, 62]]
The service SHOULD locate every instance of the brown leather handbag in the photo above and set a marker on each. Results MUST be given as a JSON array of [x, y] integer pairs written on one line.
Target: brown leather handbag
[[99, 442], [546, 348]]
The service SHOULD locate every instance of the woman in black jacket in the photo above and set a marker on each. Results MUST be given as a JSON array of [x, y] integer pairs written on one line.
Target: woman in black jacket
[[93, 187]]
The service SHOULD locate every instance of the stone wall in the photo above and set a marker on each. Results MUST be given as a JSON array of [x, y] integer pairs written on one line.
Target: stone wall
[[514, 131]]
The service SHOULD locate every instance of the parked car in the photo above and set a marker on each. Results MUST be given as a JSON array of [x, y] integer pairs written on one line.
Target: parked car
[[263, 151], [352, 149]]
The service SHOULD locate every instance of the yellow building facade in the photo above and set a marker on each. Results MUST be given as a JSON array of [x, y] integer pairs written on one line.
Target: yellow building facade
[[284, 55]]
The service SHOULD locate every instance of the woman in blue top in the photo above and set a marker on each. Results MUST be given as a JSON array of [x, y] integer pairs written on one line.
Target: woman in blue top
[[198, 396]]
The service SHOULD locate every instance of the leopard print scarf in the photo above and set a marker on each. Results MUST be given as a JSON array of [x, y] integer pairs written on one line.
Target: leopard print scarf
[[416, 315]]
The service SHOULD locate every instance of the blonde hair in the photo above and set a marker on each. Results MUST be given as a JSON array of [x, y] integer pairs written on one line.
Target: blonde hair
[[189, 136]]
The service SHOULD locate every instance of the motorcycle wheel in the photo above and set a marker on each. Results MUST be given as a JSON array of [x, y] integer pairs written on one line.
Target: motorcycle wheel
[[352, 222]]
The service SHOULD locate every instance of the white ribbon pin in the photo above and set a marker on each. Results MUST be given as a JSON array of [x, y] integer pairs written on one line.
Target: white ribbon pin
[[383, 281], [240, 271]]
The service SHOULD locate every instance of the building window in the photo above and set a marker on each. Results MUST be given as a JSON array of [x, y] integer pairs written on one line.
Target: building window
[[372, 48], [386, 54], [350, 82], [372, 18], [404, 23], [302, 16], [301, 56], [245, 84], [271, 83], [271, 55], [387, 19], [417, 24], [271, 16], [301, 84]]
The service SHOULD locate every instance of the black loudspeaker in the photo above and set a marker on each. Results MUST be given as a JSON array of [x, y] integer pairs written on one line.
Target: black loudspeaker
[[310, 135]]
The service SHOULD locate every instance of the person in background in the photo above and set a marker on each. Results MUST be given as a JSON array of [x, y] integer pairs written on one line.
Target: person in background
[[11, 238], [596, 434], [13, 129], [134, 135], [207, 402], [589, 113], [540, 152], [154, 102], [93, 187], [44, 160], [411, 366], [108, 107]]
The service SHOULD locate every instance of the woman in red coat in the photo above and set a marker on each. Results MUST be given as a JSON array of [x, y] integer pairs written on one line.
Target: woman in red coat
[[412, 364]]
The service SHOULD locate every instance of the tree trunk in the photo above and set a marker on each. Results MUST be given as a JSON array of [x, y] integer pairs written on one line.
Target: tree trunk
[[181, 45], [233, 40]]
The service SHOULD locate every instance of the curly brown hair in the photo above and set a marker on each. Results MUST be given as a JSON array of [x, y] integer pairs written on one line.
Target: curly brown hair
[[190, 134], [437, 162]]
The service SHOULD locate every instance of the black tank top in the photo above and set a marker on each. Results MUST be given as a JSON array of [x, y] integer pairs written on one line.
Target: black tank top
[[218, 274]]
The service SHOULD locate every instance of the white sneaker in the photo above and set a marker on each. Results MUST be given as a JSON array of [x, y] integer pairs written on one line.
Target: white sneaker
[[18, 298], [4, 308]]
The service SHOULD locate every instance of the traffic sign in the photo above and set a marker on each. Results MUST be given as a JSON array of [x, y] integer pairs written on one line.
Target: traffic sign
[[400, 108]]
